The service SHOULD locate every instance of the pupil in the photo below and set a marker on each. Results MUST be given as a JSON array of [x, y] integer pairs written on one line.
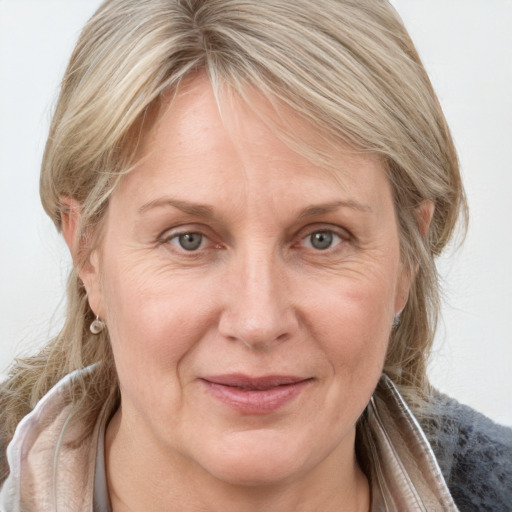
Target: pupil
[[321, 240], [190, 241]]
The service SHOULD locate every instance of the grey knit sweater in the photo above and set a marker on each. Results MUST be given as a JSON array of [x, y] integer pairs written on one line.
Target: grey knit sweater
[[474, 454]]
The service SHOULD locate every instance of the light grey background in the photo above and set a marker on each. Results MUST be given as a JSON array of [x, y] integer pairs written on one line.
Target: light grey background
[[467, 48]]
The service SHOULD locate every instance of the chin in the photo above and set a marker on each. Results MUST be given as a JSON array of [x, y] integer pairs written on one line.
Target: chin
[[254, 473], [255, 462]]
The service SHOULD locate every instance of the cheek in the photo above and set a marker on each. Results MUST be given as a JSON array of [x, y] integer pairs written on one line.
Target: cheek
[[352, 321], [351, 324], [155, 326], [154, 319]]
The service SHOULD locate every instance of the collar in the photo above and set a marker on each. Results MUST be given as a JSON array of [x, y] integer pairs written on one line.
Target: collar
[[404, 473]]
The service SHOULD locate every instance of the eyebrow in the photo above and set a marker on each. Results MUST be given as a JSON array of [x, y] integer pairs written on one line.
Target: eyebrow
[[321, 209], [195, 209], [207, 211]]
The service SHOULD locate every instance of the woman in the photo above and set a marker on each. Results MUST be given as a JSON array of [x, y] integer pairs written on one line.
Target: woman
[[253, 194]]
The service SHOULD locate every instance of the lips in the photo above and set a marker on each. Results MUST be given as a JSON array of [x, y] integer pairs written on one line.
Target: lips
[[255, 395]]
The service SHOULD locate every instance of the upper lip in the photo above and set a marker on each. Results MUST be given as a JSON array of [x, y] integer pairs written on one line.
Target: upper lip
[[239, 380]]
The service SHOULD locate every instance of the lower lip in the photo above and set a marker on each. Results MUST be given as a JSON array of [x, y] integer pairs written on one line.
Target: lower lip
[[263, 401]]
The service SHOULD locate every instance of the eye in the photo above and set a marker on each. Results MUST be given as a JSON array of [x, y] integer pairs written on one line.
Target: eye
[[188, 241], [321, 240]]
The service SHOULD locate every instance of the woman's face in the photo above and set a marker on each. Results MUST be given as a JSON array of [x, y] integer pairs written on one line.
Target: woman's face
[[249, 295]]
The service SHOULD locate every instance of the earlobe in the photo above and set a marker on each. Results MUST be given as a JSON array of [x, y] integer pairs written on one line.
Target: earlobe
[[402, 294]]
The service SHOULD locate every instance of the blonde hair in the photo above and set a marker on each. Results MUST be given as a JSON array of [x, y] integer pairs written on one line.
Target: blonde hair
[[346, 67]]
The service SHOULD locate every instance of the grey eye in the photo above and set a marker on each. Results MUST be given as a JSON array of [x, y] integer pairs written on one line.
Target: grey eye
[[321, 240], [190, 241]]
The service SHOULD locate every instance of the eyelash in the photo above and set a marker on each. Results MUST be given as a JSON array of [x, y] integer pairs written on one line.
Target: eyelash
[[329, 232], [339, 238], [167, 238]]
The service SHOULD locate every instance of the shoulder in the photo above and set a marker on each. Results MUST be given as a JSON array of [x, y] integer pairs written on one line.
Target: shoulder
[[474, 454]]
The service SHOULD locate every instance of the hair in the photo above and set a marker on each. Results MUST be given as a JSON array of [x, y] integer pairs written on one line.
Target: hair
[[346, 67]]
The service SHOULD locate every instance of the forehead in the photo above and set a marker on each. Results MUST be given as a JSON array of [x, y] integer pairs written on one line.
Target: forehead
[[200, 143]]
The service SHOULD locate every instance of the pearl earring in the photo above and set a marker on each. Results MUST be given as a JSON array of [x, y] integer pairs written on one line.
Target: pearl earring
[[97, 325], [396, 321]]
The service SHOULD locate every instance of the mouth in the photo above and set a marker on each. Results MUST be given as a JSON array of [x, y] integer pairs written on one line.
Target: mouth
[[255, 395]]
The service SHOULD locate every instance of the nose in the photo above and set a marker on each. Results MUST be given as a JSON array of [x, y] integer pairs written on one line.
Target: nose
[[258, 308]]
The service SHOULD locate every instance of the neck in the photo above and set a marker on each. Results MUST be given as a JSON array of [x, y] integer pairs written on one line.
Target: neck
[[141, 477]]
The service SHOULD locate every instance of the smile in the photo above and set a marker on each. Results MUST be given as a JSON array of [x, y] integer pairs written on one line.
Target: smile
[[255, 395]]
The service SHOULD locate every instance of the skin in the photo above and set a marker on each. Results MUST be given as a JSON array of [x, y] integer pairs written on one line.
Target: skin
[[257, 297]]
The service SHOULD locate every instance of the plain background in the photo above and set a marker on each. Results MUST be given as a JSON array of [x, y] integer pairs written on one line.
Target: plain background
[[466, 46]]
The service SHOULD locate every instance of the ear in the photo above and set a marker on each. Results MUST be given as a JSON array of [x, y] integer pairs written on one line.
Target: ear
[[424, 214], [70, 221], [88, 268]]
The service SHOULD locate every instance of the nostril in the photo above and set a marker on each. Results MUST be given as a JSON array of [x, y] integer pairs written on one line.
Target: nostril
[[257, 314]]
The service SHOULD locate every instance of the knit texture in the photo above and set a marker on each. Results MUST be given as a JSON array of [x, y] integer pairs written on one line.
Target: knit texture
[[474, 454]]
